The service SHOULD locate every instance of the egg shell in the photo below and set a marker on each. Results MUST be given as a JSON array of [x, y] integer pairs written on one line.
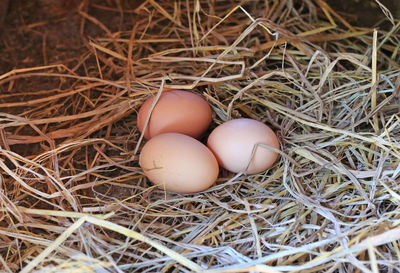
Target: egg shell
[[178, 163], [232, 144], [176, 111]]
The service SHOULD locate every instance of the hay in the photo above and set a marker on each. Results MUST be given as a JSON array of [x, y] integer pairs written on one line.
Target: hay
[[73, 198]]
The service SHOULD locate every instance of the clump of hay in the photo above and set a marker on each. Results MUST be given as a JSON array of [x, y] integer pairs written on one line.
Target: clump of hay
[[74, 198]]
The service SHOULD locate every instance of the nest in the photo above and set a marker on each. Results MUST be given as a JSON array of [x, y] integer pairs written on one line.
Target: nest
[[73, 197]]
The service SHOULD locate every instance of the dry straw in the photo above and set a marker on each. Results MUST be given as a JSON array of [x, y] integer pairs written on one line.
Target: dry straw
[[73, 198]]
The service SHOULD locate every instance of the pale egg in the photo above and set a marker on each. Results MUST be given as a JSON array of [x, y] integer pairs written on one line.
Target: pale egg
[[178, 163], [238, 145]]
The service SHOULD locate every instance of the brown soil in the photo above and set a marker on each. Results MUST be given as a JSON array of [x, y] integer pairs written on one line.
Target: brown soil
[[43, 32], [364, 13]]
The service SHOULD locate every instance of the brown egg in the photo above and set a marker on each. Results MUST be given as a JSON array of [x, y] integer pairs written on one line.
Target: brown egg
[[175, 112], [178, 163], [233, 141]]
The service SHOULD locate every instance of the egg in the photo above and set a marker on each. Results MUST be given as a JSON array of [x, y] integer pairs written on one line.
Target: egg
[[232, 143], [178, 163], [176, 111]]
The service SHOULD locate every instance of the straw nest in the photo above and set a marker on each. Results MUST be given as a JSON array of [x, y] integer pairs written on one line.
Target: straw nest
[[73, 198]]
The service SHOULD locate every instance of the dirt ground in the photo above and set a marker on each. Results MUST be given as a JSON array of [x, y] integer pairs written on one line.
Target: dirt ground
[[364, 13], [43, 32]]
